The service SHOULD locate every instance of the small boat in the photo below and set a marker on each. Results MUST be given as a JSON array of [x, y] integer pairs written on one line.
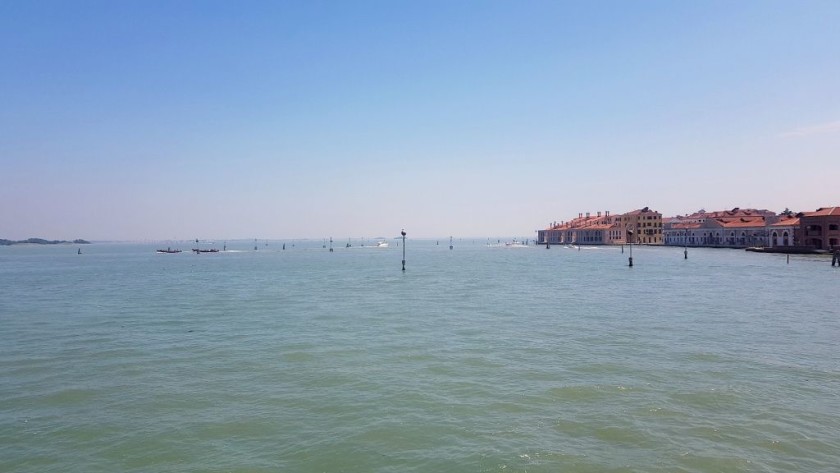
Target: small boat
[[382, 244], [168, 250], [211, 250], [515, 244]]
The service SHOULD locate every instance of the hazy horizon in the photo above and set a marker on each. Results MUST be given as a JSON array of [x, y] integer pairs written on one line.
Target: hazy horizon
[[133, 121]]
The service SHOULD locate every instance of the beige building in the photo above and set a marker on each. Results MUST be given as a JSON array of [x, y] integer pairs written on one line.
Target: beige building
[[643, 226]]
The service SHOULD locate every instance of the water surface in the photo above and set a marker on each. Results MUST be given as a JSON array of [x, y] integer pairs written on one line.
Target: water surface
[[475, 359]]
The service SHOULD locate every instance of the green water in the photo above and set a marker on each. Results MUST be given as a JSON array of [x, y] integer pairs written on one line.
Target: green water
[[475, 359]]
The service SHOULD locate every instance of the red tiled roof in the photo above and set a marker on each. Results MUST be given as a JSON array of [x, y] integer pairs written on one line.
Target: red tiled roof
[[686, 225], [824, 212], [741, 222], [736, 212], [787, 222]]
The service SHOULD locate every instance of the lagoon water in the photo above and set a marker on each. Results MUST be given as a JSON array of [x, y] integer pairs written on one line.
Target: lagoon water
[[479, 359]]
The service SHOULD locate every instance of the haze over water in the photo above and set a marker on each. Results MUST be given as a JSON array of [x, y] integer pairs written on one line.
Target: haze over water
[[475, 359]]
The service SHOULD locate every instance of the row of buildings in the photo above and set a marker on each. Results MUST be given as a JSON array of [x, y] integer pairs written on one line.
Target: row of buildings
[[736, 228]]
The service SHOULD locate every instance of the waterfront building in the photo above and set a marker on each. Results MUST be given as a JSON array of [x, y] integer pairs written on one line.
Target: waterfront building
[[645, 225], [784, 232], [586, 228], [820, 229], [606, 229], [736, 228], [680, 233], [743, 232]]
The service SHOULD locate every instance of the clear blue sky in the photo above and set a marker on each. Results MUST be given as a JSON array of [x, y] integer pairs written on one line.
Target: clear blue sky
[[176, 120]]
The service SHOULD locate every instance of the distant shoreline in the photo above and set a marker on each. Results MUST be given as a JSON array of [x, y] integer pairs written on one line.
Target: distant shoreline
[[41, 241]]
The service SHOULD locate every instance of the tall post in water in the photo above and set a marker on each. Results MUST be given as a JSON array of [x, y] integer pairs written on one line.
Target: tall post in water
[[403, 239], [685, 242], [331, 248], [450, 242], [630, 244]]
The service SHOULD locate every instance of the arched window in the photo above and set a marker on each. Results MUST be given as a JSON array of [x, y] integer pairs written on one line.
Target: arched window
[[785, 238]]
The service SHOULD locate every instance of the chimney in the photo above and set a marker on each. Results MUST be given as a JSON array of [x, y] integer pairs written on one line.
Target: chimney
[[599, 214], [587, 214], [607, 212]]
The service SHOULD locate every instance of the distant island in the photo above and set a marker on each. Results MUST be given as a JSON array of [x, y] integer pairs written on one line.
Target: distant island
[[41, 241]]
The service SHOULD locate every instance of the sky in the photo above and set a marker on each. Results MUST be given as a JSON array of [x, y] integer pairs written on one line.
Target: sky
[[147, 120]]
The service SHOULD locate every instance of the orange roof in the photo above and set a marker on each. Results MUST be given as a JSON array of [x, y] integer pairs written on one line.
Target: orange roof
[[736, 212], [824, 212], [685, 225], [741, 222], [787, 222]]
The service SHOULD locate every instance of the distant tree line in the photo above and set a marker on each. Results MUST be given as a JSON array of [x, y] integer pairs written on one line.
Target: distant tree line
[[41, 241]]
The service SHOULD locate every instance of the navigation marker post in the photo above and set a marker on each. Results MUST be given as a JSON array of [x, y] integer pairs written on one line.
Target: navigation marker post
[[630, 244], [402, 232]]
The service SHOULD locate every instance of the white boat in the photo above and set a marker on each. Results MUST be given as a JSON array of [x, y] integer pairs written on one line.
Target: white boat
[[382, 244], [507, 244]]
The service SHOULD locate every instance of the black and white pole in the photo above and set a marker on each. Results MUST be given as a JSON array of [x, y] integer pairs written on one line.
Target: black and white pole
[[630, 244], [685, 242], [403, 239], [331, 248]]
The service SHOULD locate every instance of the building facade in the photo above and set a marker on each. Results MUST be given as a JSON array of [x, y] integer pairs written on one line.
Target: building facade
[[736, 228], [642, 226], [820, 229], [785, 232]]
